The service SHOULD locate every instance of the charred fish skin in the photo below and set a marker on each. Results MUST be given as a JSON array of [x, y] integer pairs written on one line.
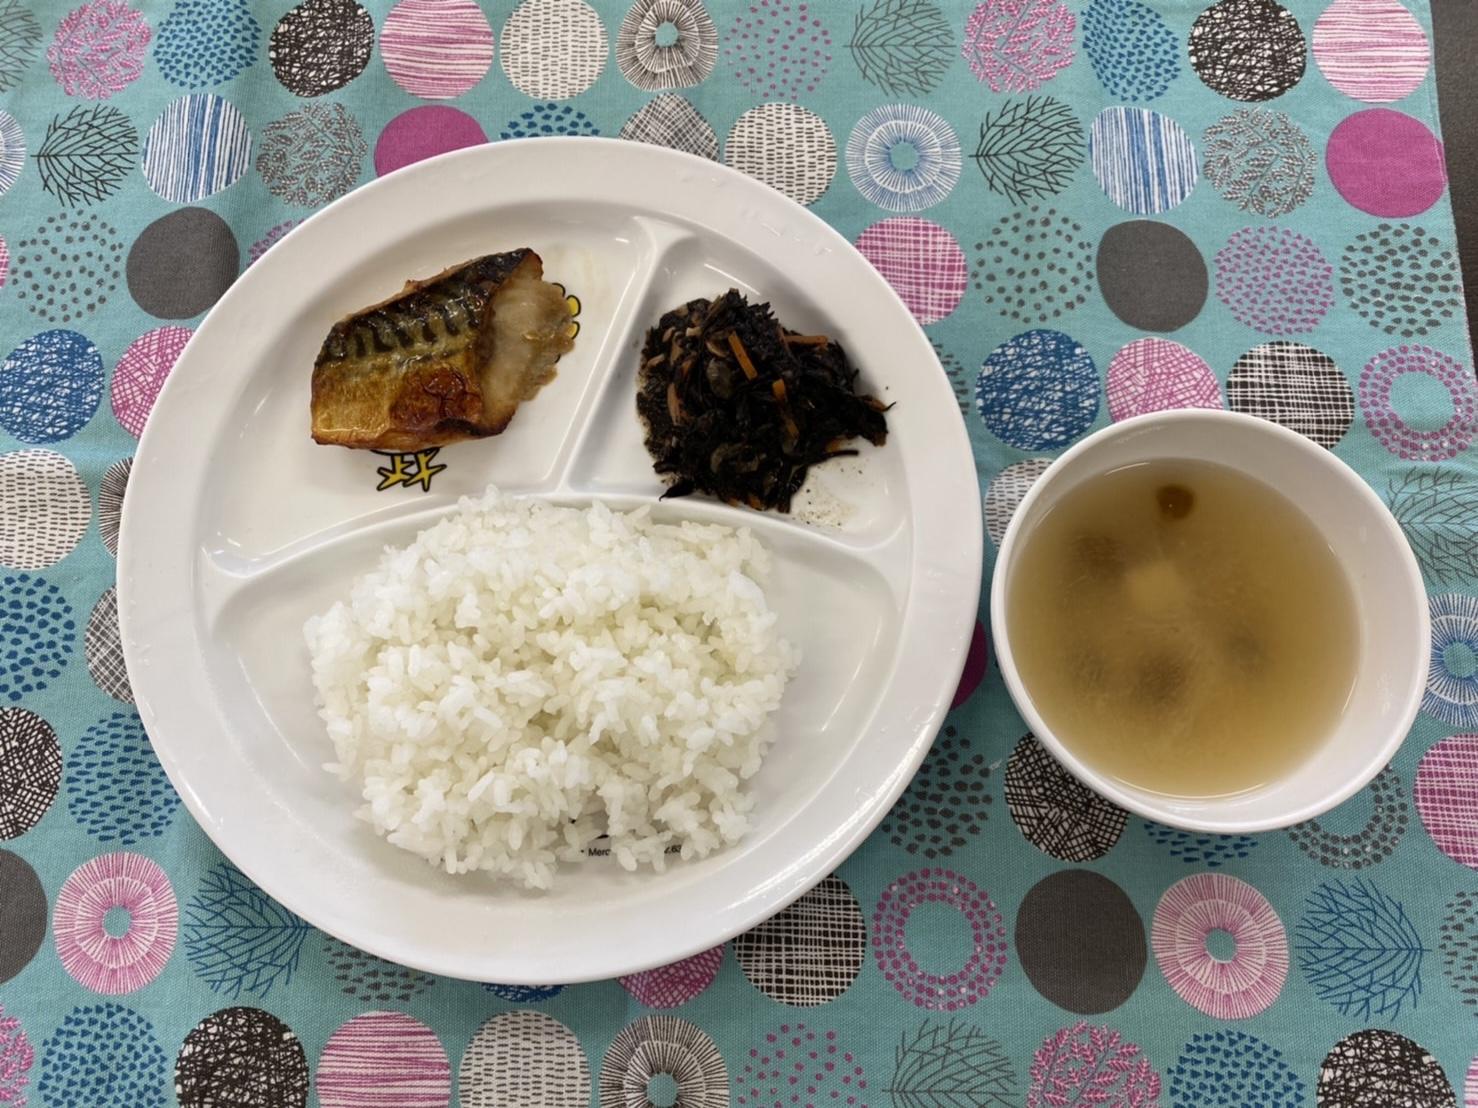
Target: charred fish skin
[[407, 373]]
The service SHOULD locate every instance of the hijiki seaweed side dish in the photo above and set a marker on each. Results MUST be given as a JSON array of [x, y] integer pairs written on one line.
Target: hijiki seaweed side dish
[[737, 406]]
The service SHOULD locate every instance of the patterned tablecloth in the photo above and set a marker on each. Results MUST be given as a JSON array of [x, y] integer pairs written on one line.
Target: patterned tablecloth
[[1096, 208]]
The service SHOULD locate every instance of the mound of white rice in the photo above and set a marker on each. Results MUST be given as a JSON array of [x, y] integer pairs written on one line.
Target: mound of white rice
[[523, 678]]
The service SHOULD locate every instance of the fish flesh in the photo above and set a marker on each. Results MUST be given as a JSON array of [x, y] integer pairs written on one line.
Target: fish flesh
[[446, 359]]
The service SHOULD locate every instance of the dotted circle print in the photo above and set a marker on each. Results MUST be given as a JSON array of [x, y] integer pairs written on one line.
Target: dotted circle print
[[140, 374], [1019, 45], [1402, 278], [1054, 811], [1189, 914], [1153, 375], [1373, 50], [946, 802], [663, 1046], [370, 979], [1274, 280], [22, 914], [312, 155], [1259, 160], [671, 121], [206, 42], [794, 1053], [787, 147], [97, 957], [273, 236], [1004, 493], [37, 623], [1081, 941], [674, 985], [50, 386], [1373, 841], [778, 49], [922, 263], [1436, 430], [422, 133], [244, 1057], [1386, 163], [436, 49], [110, 502], [67, 268], [1091, 1064], [1295, 385], [104, 1054], [809, 953], [554, 49], [1151, 275], [1230, 1069], [986, 958], [903, 158], [198, 146], [549, 119], [666, 44], [524, 1060], [1038, 391], [103, 649], [17, 1056], [1144, 161], [1211, 851], [1381, 1067], [1034, 265], [1248, 49], [1458, 944], [116, 788], [1135, 54], [320, 46], [44, 508], [182, 263], [98, 49], [384, 1059], [30, 770], [1452, 678], [1446, 795]]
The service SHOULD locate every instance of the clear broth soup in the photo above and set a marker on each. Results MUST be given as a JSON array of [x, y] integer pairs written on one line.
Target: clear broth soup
[[1183, 628]]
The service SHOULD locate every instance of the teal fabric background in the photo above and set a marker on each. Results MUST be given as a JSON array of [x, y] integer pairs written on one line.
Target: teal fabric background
[[238, 1003]]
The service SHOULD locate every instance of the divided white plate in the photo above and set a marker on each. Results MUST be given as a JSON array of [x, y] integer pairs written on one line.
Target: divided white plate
[[237, 527]]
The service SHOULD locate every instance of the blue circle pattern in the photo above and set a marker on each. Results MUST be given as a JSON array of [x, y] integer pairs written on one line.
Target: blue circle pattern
[[1452, 697], [206, 42], [1231, 1069], [50, 386], [1210, 851], [543, 120], [104, 1056], [1134, 53], [1038, 391], [1144, 161], [524, 994], [116, 788], [37, 635], [199, 145], [882, 132]]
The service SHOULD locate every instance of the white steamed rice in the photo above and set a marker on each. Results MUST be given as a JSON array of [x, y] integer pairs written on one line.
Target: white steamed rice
[[523, 678]]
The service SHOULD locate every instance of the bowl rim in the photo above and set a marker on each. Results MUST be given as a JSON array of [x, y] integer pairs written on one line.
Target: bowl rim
[[1134, 800]]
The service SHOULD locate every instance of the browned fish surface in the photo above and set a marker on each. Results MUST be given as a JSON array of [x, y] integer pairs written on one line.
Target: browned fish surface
[[446, 359]]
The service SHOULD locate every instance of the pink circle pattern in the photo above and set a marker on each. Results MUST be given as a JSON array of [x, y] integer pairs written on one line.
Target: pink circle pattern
[[1446, 794], [1091, 1064], [778, 50], [1153, 375], [141, 373], [269, 240], [16, 1059], [921, 260], [99, 49], [1386, 163], [1372, 50], [796, 1067], [1470, 1086], [1019, 45], [938, 992], [675, 985], [436, 49], [1189, 912], [1274, 280], [976, 661], [384, 1060], [4, 261], [422, 133], [105, 963], [1379, 377]]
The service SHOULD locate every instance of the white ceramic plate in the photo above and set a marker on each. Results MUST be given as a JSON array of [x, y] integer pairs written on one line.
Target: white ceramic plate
[[237, 528]]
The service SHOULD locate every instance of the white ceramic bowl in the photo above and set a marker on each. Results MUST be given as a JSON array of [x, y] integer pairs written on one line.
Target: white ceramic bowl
[[1383, 574]]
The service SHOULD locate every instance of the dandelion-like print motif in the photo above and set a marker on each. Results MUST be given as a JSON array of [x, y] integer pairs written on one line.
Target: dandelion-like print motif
[[1202, 906], [1452, 677], [903, 158], [941, 992], [666, 44], [115, 957]]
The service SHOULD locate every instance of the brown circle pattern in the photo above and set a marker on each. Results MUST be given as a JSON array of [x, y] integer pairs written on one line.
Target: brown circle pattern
[[1056, 813], [809, 953], [242, 1057], [30, 770]]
